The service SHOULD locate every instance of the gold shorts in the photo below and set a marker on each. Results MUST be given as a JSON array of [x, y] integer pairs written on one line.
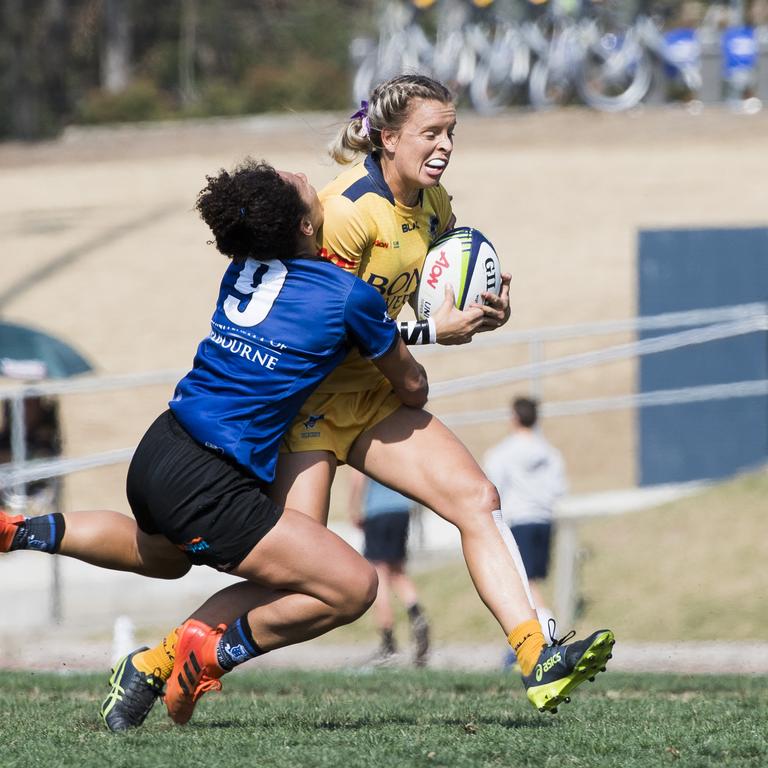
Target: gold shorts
[[332, 421]]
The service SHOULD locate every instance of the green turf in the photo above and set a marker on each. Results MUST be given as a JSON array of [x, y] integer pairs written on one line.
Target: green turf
[[395, 718]]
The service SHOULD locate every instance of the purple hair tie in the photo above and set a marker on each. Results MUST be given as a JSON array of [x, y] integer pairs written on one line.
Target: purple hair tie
[[362, 113]]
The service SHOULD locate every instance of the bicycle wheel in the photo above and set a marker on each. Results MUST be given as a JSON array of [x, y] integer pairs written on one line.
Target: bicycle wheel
[[547, 88], [490, 92], [614, 76]]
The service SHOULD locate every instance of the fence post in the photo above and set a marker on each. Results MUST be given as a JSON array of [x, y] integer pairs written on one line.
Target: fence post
[[18, 451], [56, 602], [566, 552]]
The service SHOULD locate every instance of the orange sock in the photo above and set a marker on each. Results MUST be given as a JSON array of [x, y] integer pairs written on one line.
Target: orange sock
[[527, 640], [158, 660]]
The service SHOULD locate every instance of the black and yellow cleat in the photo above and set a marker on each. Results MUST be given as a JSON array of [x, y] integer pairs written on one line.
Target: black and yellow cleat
[[131, 696], [561, 668]]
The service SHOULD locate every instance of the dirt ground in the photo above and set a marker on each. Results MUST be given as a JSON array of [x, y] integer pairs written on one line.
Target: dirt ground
[[101, 247]]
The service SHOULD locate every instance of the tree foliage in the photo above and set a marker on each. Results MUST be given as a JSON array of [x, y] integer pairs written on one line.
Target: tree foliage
[[69, 61]]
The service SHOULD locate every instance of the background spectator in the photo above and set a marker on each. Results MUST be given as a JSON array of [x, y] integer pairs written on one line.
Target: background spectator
[[530, 476], [384, 516]]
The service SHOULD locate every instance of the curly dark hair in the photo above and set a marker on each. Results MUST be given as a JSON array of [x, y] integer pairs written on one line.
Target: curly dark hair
[[252, 211]]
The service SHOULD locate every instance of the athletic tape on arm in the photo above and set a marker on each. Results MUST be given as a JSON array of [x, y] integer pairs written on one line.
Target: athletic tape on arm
[[418, 331]]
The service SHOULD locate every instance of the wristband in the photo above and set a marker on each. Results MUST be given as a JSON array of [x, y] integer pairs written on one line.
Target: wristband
[[418, 331]]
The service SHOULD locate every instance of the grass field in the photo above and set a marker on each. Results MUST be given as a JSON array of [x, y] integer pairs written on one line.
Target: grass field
[[389, 718]]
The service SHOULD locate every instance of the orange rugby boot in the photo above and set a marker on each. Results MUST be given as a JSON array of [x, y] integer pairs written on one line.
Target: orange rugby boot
[[195, 669], [8, 526]]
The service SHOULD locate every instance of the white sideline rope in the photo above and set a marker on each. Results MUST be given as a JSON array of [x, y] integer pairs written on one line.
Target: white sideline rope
[[93, 384], [41, 469], [621, 351], [595, 405], [690, 318]]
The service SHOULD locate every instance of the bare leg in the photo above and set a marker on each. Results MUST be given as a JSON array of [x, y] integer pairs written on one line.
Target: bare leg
[[111, 540], [307, 581], [402, 585], [383, 613], [304, 481], [414, 453]]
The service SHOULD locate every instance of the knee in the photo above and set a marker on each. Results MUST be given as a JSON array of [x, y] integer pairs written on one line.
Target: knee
[[359, 594], [476, 502], [490, 499]]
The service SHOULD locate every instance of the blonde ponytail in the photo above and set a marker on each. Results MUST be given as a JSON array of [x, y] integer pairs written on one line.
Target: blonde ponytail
[[389, 106]]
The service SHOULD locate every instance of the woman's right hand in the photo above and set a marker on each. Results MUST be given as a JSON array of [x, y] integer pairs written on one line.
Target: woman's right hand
[[407, 376], [456, 326]]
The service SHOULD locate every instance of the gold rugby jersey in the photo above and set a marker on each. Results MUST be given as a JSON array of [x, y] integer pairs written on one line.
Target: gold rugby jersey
[[368, 232]]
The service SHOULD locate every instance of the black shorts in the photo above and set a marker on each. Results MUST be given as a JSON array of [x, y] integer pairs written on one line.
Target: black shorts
[[533, 540], [386, 536], [206, 505]]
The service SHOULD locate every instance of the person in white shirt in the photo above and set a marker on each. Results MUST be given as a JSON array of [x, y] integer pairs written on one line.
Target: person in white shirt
[[529, 474]]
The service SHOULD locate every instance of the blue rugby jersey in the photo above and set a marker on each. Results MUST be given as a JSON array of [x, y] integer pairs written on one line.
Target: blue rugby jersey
[[278, 329]]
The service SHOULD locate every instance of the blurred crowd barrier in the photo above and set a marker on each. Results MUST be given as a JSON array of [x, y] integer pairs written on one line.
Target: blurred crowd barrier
[[611, 55]]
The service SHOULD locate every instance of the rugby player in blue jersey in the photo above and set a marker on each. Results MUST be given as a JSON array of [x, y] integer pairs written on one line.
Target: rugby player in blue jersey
[[284, 319]]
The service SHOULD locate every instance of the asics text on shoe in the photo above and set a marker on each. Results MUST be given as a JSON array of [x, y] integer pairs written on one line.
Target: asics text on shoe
[[132, 695], [562, 667]]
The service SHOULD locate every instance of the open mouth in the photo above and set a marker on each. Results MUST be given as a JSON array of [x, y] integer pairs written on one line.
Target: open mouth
[[436, 164]]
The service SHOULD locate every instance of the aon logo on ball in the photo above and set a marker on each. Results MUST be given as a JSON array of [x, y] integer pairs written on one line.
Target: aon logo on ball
[[464, 259]]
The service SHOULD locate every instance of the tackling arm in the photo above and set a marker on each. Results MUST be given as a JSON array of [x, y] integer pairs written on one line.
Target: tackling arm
[[408, 377]]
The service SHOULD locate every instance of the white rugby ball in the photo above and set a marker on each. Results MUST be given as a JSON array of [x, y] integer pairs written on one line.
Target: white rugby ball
[[466, 260]]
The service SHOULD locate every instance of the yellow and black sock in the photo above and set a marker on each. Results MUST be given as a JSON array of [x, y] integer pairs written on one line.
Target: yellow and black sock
[[159, 660], [527, 640]]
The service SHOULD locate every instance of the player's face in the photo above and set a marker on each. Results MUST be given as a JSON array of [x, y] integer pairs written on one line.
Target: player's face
[[420, 152], [308, 195]]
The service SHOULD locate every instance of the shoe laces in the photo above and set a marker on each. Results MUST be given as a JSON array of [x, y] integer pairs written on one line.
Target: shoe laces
[[552, 628], [206, 684]]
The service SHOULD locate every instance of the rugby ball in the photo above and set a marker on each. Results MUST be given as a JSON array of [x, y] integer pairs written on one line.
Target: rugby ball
[[463, 258]]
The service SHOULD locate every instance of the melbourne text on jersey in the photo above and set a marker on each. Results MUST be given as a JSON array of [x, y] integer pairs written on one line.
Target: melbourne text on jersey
[[249, 350]]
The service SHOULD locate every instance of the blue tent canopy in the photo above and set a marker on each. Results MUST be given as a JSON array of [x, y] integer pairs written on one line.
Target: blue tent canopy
[[26, 353]]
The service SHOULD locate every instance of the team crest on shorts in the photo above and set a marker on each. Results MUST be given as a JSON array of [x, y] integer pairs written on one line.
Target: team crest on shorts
[[311, 423], [312, 420]]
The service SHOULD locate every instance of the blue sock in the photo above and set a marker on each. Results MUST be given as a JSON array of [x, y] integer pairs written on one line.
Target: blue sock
[[43, 533], [237, 644]]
